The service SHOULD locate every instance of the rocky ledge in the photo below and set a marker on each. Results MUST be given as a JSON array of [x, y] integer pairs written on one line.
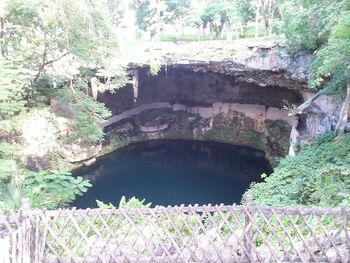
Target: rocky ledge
[[240, 100], [237, 100]]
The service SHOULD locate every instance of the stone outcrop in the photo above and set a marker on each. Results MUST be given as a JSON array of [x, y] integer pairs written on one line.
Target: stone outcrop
[[224, 101], [251, 125], [239, 99], [277, 59], [235, 97]]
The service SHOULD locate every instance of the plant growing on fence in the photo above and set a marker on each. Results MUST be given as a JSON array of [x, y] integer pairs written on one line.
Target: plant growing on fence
[[172, 222]]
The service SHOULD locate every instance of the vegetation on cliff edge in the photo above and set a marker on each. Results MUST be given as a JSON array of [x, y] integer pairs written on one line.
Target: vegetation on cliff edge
[[317, 176]]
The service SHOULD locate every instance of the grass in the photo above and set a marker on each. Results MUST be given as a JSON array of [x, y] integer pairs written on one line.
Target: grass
[[250, 33]]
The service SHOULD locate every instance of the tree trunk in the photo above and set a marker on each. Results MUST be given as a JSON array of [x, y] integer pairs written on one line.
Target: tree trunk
[[242, 29], [257, 18], [237, 31], [157, 23], [178, 31], [211, 31], [229, 32], [343, 115], [307, 103], [271, 16], [267, 11], [2, 36]]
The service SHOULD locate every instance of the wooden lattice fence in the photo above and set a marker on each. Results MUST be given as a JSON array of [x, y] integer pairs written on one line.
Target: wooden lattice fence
[[176, 234]]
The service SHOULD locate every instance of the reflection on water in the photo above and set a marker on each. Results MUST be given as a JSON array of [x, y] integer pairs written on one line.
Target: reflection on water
[[172, 172]]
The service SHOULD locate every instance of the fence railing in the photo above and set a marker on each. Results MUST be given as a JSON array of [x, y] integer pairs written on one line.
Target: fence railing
[[176, 234]]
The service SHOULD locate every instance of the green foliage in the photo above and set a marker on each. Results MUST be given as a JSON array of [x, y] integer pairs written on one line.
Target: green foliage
[[12, 82], [50, 51], [173, 222], [215, 16], [12, 113], [193, 19], [317, 176], [226, 13], [58, 187], [117, 9], [309, 23], [133, 203], [75, 33], [7, 169], [87, 113], [176, 9], [245, 12], [154, 68], [332, 64], [45, 189], [149, 15], [10, 196], [124, 203], [123, 223]]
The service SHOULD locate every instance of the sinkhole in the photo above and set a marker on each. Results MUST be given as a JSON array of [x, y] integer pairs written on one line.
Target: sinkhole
[[174, 172]]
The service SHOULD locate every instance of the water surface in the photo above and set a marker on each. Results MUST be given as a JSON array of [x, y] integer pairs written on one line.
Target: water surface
[[172, 172]]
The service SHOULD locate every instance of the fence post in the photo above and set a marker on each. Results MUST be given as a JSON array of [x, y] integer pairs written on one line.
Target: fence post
[[346, 226], [25, 208], [248, 229], [25, 232]]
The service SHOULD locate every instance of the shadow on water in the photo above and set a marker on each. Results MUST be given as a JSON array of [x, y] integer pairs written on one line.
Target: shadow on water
[[174, 172]]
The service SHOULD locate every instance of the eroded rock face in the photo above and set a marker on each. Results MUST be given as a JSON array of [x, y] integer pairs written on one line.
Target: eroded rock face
[[320, 118], [223, 102], [277, 59], [204, 84], [235, 102]]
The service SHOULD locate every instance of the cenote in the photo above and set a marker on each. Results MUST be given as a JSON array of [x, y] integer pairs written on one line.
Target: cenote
[[173, 172]]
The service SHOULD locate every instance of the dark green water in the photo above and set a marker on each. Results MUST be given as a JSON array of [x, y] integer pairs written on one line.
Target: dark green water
[[170, 172]]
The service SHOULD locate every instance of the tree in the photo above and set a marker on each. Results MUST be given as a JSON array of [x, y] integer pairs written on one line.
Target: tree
[[149, 16], [309, 23], [268, 12], [232, 19], [228, 13], [257, 17], [176, 11], [215, 16], [332, 66], [50, 50], [330, 69], [245, 10], [193, 19], [59, 35], [12, 113], [117, 9]]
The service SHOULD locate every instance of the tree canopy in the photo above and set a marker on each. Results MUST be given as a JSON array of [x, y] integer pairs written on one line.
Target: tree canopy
[[49, 52]]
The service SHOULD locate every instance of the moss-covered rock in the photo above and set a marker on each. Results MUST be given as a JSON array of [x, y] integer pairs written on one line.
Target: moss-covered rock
[[270, 136], [278, 133]]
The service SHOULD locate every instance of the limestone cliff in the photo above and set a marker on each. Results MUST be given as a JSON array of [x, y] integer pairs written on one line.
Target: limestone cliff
[[230, 101], [239, 100]]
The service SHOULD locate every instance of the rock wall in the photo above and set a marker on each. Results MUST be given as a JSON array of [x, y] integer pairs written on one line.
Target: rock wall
[[203, 85], [237, 100], [241, 124], [217, 102], [277, 59]]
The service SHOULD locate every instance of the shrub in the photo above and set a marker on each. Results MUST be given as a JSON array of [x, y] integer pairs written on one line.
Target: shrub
[[317, 176]]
